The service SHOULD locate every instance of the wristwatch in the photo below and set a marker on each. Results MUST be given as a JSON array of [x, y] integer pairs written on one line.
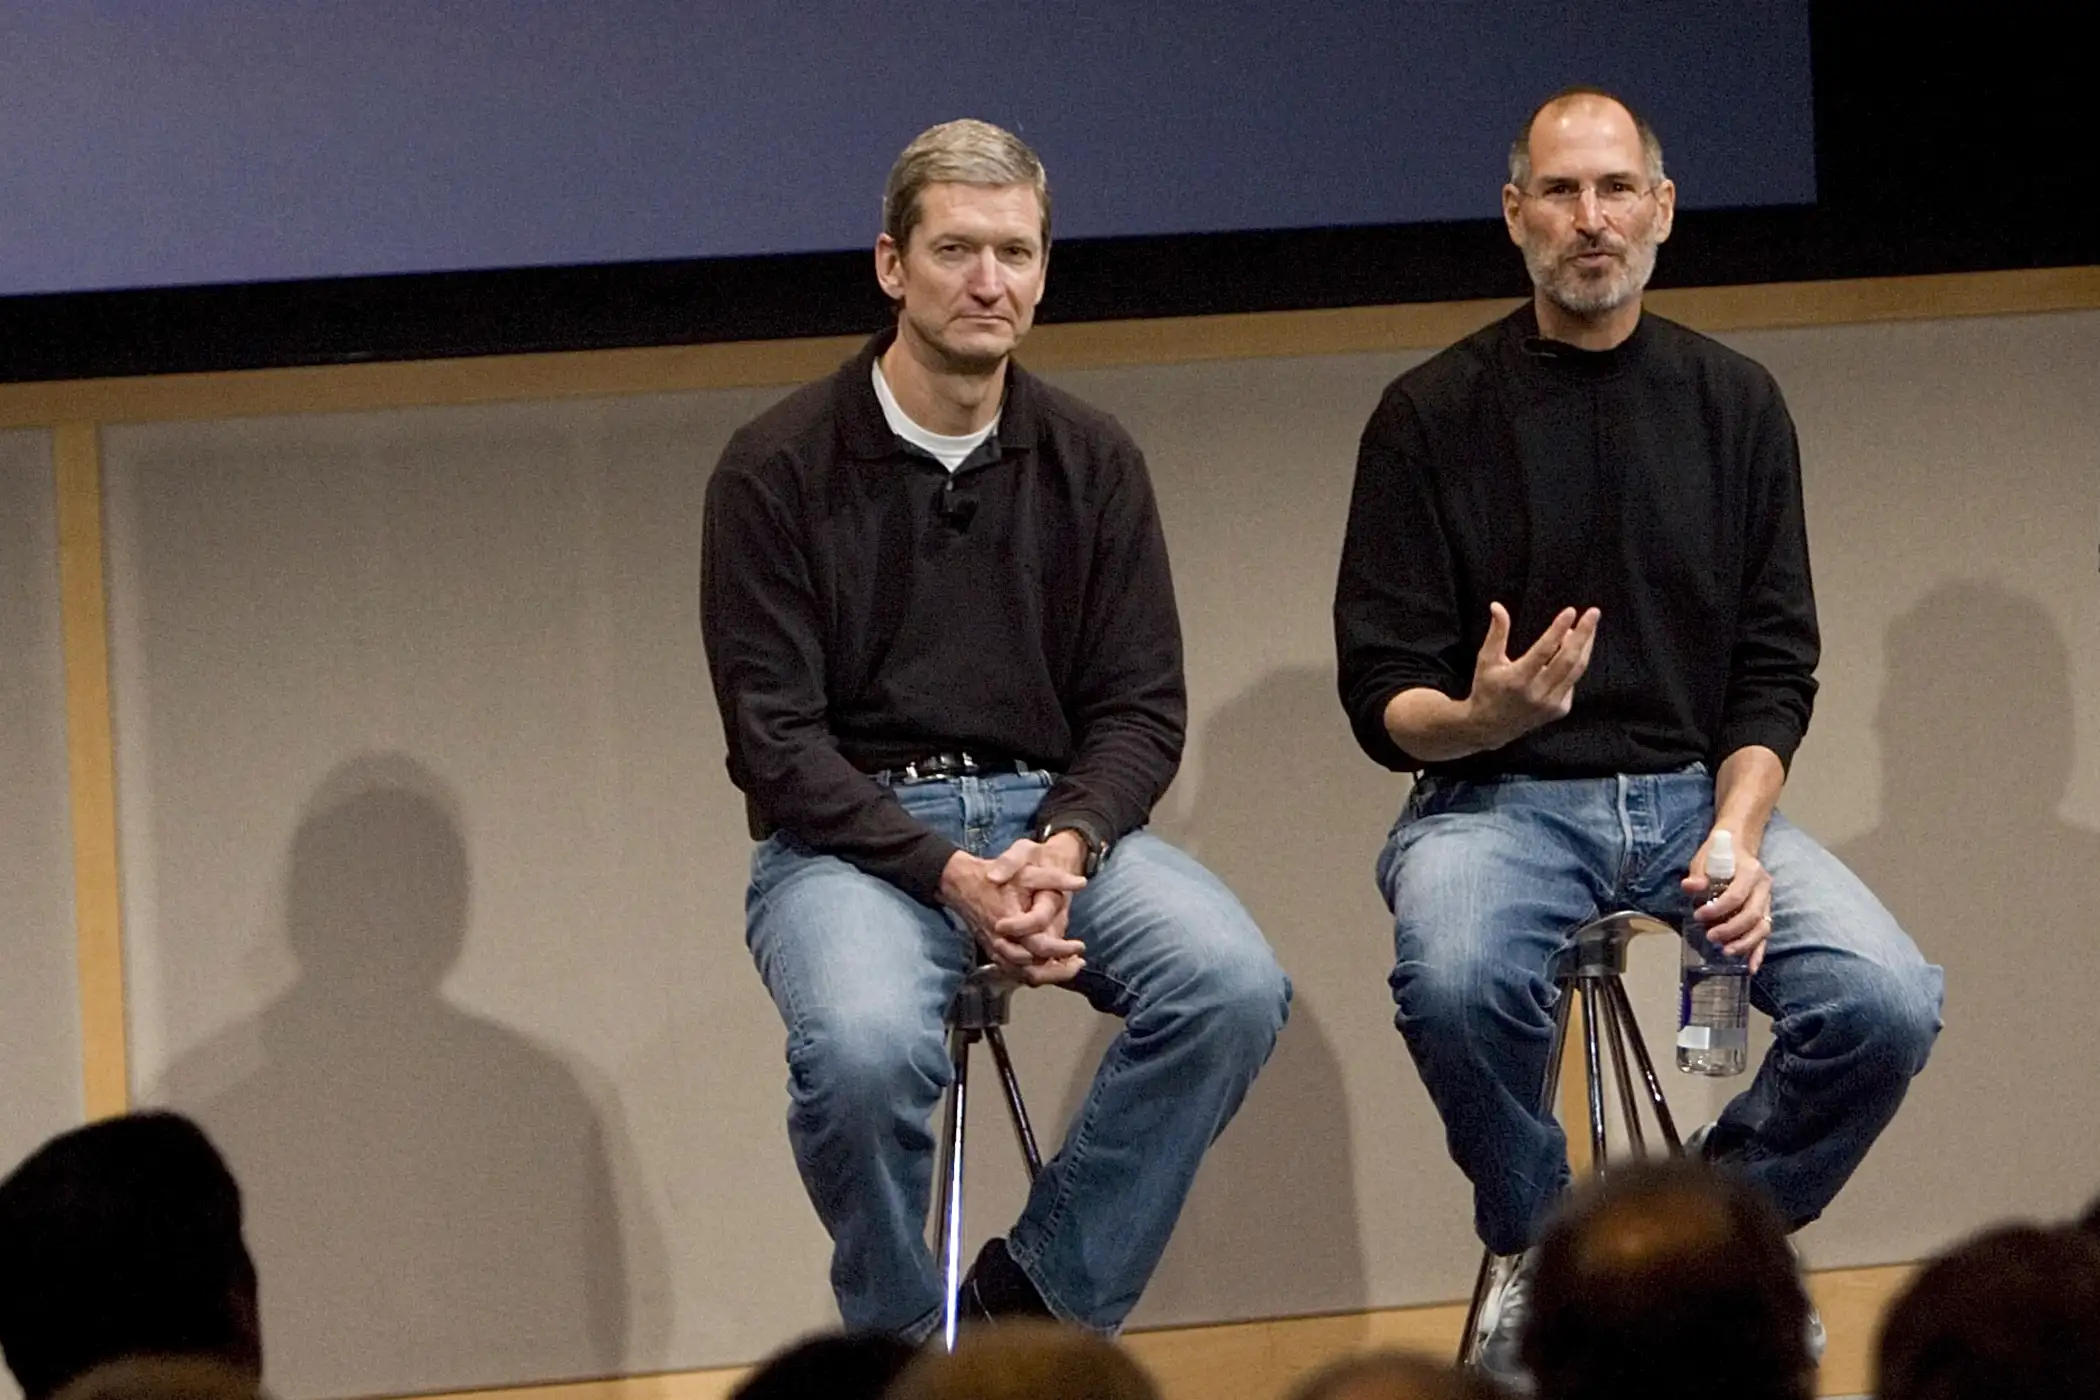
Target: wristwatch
[[1090, 836]]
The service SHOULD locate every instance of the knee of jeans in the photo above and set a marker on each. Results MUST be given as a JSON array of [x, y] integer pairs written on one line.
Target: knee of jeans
[[1242, 997], [1913, 1013], [1897, 1012], [875, 1061], [1460, 986]]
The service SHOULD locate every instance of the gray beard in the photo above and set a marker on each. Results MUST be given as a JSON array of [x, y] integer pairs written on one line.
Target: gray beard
[[1586, 297]]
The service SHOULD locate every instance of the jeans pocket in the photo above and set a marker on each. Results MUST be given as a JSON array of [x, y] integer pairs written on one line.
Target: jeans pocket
[[1419, 796], [1411, 811], [773, 858], [1431, 798]]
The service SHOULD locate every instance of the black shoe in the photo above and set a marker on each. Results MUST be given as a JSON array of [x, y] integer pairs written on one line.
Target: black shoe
[[995, 1287]]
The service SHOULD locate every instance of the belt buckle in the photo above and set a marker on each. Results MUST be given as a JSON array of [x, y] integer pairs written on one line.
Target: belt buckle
[[940, 765]]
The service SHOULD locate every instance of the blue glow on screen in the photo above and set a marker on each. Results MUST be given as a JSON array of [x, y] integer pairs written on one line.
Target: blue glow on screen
[[172, 142]]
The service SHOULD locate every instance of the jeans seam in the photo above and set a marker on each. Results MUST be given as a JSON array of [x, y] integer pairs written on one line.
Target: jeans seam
[[1122, 990], [922, 1328], [1080, 1136], [1057, 1305], [1626, 843]]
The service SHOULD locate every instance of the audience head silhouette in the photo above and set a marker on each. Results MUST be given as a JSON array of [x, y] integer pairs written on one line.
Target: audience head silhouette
[[1394, 1375], [831, 1366], [1018, 1360], [123, 1239], [1633, 1277], [2015, 1311]]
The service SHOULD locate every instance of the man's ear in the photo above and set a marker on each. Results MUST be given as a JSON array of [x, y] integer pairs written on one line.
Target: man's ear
[[1512, 203], [889, 267], [1042, 283]]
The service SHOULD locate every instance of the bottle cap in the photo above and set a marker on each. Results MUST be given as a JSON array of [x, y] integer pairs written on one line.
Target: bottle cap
[[1720, 858]]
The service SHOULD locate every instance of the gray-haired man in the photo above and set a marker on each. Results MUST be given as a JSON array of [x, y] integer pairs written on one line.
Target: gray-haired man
[[942, 633]]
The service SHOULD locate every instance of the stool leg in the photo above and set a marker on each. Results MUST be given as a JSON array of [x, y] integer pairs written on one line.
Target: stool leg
[[1015, 1109], [1559, 1047], [1481, 1281], [1593, 1066], [1655, 1089], [1615, 1034], [949, 1240]]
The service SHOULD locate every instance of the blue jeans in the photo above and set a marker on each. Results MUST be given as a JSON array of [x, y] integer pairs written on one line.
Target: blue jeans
[[1487, 880], [862, 974]]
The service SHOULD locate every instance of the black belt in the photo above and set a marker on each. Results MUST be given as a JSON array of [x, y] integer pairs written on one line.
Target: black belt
[[950, 763]]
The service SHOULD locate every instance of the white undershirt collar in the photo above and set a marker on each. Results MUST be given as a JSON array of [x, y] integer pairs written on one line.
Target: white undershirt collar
[[950, 452]]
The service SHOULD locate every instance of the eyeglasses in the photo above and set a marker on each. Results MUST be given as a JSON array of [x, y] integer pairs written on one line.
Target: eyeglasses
[[1614, 197]]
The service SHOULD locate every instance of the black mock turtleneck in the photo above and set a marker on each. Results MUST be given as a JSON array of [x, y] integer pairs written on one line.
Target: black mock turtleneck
[[1658, 481]]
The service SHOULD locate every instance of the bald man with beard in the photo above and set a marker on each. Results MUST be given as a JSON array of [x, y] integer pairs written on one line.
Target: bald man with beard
[[1574, 601]]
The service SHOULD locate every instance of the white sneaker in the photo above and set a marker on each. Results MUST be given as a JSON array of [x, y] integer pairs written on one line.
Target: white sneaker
[[1501, 1325], [1817, 1338]]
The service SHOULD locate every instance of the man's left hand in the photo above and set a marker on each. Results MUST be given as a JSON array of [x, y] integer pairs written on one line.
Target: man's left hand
[[1740, 919], [1044, 874]]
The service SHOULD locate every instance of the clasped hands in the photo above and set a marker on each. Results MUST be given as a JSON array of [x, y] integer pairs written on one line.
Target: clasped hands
[[1017, 905]]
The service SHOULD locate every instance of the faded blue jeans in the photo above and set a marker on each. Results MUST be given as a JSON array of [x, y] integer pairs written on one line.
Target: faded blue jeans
[[862, 974], [1487, 880]]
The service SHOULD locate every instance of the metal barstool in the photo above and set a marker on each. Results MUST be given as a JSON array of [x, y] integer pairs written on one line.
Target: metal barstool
[[978, 1012], [1592, 967]]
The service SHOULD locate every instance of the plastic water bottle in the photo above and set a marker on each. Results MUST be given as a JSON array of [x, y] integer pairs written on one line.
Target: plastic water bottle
[[1713, 1007]]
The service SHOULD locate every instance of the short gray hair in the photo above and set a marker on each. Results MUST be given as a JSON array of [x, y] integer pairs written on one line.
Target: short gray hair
[[962, 152], [1520, 149]]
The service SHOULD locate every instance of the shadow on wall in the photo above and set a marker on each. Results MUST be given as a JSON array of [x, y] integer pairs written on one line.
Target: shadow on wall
[[431, 1197], [1289, 814], [1975, 726]]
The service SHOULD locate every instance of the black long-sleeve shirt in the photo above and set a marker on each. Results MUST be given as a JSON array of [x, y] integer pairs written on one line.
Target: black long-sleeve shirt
[[1658, 481], [860, 608]]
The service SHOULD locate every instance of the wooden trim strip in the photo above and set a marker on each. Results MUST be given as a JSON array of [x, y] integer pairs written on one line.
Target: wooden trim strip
[[1574, 1098], [97, 902], [2027, 291], [1261, 1360], [1091, 345]]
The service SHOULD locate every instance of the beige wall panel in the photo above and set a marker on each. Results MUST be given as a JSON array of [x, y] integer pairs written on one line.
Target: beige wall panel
[[434, 883], [433, 878], [1331, 1191], [1953, 477], [40, 1074]]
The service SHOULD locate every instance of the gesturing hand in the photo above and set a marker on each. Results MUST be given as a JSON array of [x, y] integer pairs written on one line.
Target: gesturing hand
[[1512, 697]]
